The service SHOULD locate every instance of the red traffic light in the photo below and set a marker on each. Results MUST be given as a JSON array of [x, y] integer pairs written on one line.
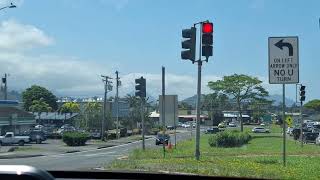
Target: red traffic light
[[207, 27]]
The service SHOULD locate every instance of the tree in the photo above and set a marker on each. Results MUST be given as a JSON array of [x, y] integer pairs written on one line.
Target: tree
[[215, 103], [184, 106], [36, 93], [259, 107], [39, 106], [313, 104], [241, 87], [135, 110], [69, 107]]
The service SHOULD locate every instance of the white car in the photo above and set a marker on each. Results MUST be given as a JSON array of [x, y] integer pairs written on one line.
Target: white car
[[232, 124], [318, 140], [260, 130], [289, 131], [185, 125]]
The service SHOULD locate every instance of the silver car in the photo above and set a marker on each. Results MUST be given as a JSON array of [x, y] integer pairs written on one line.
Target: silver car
[[260, 130]]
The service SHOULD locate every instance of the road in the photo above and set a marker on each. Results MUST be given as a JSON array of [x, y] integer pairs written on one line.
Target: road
[[86, 159]]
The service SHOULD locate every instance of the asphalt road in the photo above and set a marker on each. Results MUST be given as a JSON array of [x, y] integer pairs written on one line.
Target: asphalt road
[[87, 159]]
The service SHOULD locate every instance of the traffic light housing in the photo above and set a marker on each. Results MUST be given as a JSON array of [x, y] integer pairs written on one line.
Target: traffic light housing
[[4, 80], [140, 87], [302, 93], [189, 44], [207, 39]]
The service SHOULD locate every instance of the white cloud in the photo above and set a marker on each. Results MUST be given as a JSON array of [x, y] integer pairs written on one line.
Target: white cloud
[[15, 36]]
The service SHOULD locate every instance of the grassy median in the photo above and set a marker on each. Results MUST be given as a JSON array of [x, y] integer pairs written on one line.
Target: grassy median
[[262, 158]]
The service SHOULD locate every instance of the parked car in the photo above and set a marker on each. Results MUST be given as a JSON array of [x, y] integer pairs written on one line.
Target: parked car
[[10, 138], [260, 130], [232, 124], [160, 139], [37, 136], [170, 127], [310, 137], [186, 125], [318, 141], [289, 131], [179, 124], [212, 130], [262, 124]]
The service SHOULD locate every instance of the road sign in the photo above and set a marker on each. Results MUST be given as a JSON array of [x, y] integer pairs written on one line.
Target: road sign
[[289, 121], [283, 60]]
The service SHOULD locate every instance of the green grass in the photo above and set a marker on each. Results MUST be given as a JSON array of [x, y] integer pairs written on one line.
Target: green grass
[[20, 149], [261, 158]]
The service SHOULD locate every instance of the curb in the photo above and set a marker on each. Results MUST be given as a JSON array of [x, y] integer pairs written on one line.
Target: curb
[[20, 156]]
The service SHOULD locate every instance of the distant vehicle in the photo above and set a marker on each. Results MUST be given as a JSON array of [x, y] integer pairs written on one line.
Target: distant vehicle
[[95, 135], [160, 139], [212, 130], [170, 127], [260, 130], [289, 131], [179, 124], [185, 125], [10, 138], [232, 124], [310, 137], [262, 124], [37, 136]]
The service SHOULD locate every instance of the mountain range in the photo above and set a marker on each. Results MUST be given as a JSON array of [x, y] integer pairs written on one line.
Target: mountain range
[[276, 98]]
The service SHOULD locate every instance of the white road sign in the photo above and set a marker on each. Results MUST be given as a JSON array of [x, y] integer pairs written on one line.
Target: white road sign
[[283, 60]]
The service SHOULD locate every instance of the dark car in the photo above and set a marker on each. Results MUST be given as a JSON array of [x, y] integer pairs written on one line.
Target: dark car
[[170, 127], [162, 138], [37, 136], [212, 130]]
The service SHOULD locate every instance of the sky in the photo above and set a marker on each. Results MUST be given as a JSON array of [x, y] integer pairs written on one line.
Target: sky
[[65, 45]]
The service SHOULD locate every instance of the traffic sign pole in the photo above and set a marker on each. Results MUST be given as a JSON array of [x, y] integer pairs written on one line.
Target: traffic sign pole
[[284, 125]]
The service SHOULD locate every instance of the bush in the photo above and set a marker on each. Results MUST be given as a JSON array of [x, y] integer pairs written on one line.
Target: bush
[[136, 131], [154, 131], [75, 138], [229, 139]]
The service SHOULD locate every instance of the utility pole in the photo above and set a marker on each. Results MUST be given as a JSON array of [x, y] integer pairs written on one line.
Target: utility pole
[[163, 113], [107, 86], [117, 102]]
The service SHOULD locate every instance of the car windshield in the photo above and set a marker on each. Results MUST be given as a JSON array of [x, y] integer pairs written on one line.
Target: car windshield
[[93, 84]]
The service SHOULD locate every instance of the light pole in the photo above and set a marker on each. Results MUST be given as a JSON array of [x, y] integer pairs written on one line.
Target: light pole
[[10, 6]]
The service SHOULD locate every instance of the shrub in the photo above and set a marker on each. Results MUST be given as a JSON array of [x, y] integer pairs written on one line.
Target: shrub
[[75, 138], [229, 139], [154, 131], [136, 131]]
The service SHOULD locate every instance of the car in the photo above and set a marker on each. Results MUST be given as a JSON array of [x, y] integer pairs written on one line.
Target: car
[[37, 136], [260, 130], [262, 124], [170, 127], [10, 138], [185, 125], [160, 139], [179, 124], [232, 124], [289, 131], [318, 141], [212, 130]]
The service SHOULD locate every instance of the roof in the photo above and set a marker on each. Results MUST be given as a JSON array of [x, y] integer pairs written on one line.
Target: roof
[[55, 116], [232, 115], [9, 111]]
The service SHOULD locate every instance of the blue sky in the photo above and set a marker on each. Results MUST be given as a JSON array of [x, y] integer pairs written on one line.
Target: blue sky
[[85, 38]]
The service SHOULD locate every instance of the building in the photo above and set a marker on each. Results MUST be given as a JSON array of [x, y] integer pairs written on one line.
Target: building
[[55, 118], [14, 118]]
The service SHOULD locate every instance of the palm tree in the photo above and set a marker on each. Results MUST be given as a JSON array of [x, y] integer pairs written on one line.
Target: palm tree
[[69, 107]]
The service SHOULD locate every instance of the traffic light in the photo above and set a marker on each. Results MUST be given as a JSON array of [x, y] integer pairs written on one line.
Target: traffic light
[[4, 80], [140, 87], [207, 39], [189, 44], [302, 93]]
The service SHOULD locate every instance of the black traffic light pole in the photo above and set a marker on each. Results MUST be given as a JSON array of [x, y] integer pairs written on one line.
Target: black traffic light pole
[[141, 92], [190, 54]]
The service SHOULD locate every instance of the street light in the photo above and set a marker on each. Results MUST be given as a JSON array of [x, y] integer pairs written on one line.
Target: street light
[[10, 6]]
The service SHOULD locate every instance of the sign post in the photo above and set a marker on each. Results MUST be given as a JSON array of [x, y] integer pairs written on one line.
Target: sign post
[[283, 69]]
